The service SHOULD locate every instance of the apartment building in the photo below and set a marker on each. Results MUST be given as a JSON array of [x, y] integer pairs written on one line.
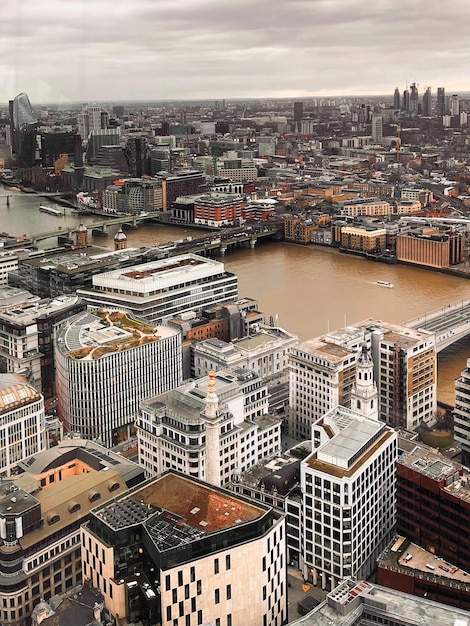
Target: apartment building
[[430, 247], [218, 209], [106, 364], [366, 206], [177, 551]]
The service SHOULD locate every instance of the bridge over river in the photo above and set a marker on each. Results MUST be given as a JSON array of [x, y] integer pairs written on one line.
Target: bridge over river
[[450, 323]]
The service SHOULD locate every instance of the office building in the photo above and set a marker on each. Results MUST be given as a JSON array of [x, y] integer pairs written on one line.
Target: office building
[[41, 511], [177, 430], [8, 263], [454, 105], [427, 103], [462, 413], [360, 603], [53, 274], [106, 363], [348, 484], [265, 351], [161, 289], [413, 99], [406, 101], [377, 128], [24, 123], [89, 120], [433, 503], [22, 427], [396, 99], [184, 183], [27, 337], [298, 111], [322, 374], [177, 551], [13, 297], [101, 137], [441, 101]]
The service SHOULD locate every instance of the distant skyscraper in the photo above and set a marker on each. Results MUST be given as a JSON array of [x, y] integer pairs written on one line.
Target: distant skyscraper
[[454, 105], [298, 111], [414, 98], [406, 100], [24, 130], [441, 101], [89, 120], [427, 103], [377, 128], [396, 98]]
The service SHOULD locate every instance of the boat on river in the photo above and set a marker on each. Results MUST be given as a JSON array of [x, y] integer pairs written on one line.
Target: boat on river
[[384, 283], [50, 210]]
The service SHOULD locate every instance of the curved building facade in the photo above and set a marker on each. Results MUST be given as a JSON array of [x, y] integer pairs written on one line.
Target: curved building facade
[[106, 363], [22, 111]]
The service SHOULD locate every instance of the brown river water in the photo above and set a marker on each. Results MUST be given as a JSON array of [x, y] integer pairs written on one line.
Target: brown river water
[[310, 288]]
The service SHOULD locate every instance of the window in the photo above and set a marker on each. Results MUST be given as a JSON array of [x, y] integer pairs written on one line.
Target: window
[[217, 596], [229, 592], [227, 562], [216, 566]]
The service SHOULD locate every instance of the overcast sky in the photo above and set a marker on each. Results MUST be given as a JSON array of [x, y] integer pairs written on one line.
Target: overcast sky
[[92, 50]]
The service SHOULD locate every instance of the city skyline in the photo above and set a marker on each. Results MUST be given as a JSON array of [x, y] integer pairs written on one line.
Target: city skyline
[[200, 49]]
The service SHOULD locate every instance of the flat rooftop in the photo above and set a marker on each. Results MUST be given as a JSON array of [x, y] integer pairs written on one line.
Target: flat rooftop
[[177, 510], [344, 447], [410, 610], [410, 559]]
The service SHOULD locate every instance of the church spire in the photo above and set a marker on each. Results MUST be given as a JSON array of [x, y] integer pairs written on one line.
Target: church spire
[[364, 395]]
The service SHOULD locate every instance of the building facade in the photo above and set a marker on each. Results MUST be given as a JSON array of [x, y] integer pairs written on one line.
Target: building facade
[[462, 412], [176, 551], [175, 430], [22, 422], [106, 364], [348, 484], [161, 289], [41, 511]]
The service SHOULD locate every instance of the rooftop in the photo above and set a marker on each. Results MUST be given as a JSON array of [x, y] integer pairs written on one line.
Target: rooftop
[[177, 509], [90, 336], [412, 560], [15, 392], [346, 605]]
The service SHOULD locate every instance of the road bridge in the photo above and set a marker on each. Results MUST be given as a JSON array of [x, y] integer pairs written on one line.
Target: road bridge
[[67, 231], [449, 323]]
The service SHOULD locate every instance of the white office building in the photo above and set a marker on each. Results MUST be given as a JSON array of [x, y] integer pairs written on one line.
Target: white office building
[[161, 289], [265, 351], [348, 483], [212, 428], [22, 422], [106, 365], [462, 412]]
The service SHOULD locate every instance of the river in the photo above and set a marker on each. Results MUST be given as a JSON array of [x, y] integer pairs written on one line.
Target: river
[[310, 288]]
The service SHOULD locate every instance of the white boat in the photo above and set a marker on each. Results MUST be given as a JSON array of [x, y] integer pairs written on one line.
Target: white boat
[[384, 283], [50, 210]]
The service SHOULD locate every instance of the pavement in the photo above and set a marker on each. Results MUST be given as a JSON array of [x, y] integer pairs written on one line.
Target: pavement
[[295, 593]]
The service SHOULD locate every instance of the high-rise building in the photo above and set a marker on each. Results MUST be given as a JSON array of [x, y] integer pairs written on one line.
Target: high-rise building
[[212, 428], [23, 123], [298, 111], [454, 105], [462, 413], [348, 484], [441, 101], [413, 99], [406, 101], [377, 128], [106, 364], [396, 99], [89, 120], [427, 103]]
